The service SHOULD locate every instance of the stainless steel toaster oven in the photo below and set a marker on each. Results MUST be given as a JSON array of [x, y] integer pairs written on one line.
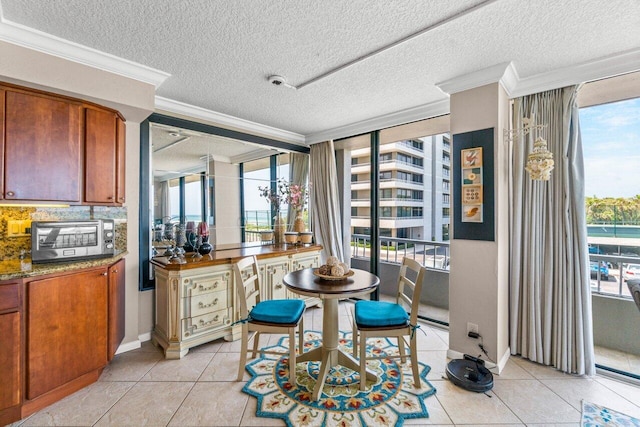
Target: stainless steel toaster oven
[[55, 241]]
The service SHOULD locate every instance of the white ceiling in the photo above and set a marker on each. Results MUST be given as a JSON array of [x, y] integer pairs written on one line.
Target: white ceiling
[[220, 53]]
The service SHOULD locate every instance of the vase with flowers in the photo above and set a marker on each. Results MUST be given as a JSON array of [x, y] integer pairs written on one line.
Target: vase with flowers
[[297, 197], [275, 196]]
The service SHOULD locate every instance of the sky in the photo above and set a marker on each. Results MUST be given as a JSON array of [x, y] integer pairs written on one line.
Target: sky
[[611, 148]]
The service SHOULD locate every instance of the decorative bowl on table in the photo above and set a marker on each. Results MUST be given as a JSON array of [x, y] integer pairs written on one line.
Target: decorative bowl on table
[[330, 277], [333, 270]]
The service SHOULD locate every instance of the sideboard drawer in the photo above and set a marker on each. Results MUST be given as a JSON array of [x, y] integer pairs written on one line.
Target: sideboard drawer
[[200, 285], [200, 324], [207, 303]]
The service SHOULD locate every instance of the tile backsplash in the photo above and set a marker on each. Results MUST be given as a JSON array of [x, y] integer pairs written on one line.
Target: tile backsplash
[[10, 247]]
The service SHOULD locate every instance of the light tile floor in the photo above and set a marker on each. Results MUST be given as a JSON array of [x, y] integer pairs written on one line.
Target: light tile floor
[[141, 388]]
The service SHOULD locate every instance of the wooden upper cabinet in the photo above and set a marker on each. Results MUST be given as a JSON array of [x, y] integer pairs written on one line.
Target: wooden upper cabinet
[[42, 147], [120, 161], [2, 101], [100, 156]]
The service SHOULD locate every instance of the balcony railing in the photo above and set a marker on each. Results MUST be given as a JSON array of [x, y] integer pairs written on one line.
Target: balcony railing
[[608, 270], [430, 254]]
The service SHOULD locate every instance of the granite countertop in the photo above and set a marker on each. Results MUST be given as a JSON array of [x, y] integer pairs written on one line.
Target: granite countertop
[[224, 254], [18, 269]]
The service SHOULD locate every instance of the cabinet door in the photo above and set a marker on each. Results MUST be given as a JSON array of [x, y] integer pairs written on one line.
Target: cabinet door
[[100, 156], [116, 306], [10, 360], [274, 272], [306, 261], [120, 161], [66, 329], [42, 148]]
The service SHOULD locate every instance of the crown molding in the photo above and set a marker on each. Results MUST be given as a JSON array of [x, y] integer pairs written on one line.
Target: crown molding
[[479, 78], [609, 66], [516, 86], [21, 35], [225, 120], [409, 115]]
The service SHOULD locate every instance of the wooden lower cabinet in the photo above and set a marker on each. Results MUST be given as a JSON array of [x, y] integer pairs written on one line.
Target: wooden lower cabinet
[[198, 305], [10, 354], [57, 333], [116, 307], [67, 329]]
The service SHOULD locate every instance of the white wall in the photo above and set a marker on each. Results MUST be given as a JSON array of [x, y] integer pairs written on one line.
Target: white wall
[[478, 291]]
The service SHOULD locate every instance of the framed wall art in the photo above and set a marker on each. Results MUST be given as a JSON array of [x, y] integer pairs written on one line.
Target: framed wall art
[[473, 185], [471, 192]]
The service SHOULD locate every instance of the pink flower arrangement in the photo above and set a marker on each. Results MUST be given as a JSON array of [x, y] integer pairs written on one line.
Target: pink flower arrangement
[[298, 195], [295, 195]]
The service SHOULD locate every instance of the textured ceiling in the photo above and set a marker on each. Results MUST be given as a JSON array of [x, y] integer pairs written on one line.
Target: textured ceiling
[[219, 53]]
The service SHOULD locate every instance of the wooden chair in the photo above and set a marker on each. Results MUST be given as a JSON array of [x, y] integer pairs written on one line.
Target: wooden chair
[[281, 316], [390, 319]]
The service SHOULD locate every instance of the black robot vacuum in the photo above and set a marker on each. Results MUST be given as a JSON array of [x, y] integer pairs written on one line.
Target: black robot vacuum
[[470, 374]]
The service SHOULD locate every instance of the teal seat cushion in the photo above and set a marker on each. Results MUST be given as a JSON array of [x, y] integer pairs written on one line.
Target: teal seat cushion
[[284, 311], [376, 314]]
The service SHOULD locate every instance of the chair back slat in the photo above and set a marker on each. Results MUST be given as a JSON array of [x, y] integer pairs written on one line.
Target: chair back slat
[[248, 286], [407, 286]]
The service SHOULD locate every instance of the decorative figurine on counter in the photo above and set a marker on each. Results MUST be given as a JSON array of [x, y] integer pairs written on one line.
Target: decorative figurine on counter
[[203, 231]]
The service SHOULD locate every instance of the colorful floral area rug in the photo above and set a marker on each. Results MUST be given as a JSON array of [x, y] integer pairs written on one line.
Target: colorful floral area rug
[[388, 402], [594, 415]]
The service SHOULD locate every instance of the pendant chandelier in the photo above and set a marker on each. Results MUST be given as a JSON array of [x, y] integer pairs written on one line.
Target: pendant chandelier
[[540, 161]]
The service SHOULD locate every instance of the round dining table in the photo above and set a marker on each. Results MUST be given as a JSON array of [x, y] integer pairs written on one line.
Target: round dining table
[[305, 282]]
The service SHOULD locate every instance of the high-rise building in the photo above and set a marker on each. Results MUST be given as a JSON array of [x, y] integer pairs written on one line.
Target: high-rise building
[[414, 189]]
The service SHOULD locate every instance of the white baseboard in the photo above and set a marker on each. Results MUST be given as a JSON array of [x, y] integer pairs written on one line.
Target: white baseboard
[[144, 337], [128, 346], [132, 345]]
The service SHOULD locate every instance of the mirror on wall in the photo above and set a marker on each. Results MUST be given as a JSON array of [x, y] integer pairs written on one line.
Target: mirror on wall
[[199, 175], [196, 178]]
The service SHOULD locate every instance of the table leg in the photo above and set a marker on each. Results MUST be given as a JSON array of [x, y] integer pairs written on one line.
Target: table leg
[[329, 354]]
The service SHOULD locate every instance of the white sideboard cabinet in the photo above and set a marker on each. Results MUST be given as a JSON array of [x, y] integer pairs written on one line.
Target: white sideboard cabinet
[[196, 302]]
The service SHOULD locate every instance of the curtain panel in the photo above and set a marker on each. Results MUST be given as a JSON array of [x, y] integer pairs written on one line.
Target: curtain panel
[[327, 224], [550, 293], [298, 173]]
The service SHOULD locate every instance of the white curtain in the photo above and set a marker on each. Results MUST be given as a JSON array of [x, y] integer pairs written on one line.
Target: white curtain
[[164, 200], [298, 173], [325, 202], [550, 293]]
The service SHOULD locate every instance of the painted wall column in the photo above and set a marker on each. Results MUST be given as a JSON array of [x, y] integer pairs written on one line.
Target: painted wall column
[[478, 279]]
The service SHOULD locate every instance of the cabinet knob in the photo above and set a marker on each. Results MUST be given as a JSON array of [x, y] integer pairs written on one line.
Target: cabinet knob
[[103, 274], [115, 271], [10, 194], [121, 199], [110, 198]]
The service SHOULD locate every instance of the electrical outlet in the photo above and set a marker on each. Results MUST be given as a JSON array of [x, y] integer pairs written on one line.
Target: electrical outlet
[[18, 228], [472, 327]]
